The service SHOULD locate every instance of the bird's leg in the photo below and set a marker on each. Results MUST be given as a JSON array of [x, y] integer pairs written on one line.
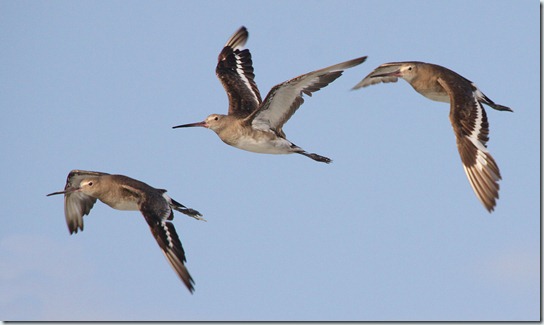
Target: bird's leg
[[500, 107], [185, 210], [492, 104], [315, 157], [197, 216], [191, 213]]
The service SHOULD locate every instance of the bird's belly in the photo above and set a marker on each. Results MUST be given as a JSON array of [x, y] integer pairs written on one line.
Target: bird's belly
[[441, 96], [264, 145], [124, 205]]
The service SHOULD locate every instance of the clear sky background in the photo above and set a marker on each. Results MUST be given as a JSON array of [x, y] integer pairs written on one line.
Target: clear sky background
[[391, 230]]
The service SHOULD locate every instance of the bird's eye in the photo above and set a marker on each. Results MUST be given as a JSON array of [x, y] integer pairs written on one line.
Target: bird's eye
[[216, 118], [90, 183], [409, 68]]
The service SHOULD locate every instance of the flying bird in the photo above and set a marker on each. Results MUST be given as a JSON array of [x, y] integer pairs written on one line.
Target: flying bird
[[467, 116], [120, 192], [253, 124]]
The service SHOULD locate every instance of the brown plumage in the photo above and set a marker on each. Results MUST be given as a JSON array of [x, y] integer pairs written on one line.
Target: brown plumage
[[467, 115], [255, 125], [120, 192]]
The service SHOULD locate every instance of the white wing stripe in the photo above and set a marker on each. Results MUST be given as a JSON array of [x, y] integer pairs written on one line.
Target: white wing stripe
[[240, 71], [168, 235], [481, 160], [473, 137]]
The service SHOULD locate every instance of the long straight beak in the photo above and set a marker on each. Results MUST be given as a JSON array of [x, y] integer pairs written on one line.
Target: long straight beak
[[55, 193], [63, 192], [202, 124]]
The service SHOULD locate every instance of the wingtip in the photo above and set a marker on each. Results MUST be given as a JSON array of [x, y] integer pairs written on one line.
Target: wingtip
[[486, 189], [187, 280], [238, 39], [359, 85], [355, 62], [73, 230], [190, 284], [490, 207]]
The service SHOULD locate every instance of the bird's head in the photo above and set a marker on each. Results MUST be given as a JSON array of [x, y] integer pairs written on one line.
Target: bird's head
[[214, 122], [404, 70], [89, 186]]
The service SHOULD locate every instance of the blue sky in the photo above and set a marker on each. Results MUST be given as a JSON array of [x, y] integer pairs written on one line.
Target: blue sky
[[391, 230]]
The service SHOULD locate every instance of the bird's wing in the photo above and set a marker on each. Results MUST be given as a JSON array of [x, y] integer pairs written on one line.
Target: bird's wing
[[471, 128], [284, 99], [157, 213], [77, 204], [235, 70], [380, 74]]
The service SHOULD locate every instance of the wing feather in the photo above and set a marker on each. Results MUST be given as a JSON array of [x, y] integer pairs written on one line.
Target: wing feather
[[380, 75], [284, 99], [77, 204], [471, 128], [157, 213], [235, 71]]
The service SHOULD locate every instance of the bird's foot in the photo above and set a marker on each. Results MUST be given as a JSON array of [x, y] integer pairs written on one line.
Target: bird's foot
[[316, 157]]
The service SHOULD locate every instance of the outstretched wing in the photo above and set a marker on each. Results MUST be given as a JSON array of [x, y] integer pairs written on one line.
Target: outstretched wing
[[284, 99], [157, 213], [235, 70], [76, 204], [380, 74], [471, 129]]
